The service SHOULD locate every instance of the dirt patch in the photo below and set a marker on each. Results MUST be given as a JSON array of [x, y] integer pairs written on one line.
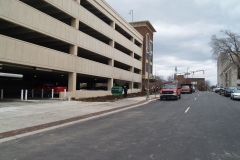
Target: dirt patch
[[111, 98]]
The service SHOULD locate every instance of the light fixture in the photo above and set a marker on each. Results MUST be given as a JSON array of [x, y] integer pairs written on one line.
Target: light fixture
[[62, 75], [18, 66], [11, 75], [43, 69]]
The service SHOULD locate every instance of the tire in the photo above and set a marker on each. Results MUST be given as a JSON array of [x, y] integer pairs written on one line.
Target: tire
[[176, 97], [161, 98], [180, 96]]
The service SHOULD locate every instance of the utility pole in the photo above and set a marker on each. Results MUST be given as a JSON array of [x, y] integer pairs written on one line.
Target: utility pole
[[187, 74], [131, 12], [175, 76]]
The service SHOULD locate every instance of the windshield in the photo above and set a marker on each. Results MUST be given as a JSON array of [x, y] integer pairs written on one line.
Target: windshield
[[185, 86], [170, 86], [237, 91]]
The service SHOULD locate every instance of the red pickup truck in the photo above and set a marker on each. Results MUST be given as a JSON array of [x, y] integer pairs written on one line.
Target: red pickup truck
[[45, 89], [170, 91]]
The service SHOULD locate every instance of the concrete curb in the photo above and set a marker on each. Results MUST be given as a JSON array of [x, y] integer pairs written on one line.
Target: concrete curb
[[15, 134], [29, 100]]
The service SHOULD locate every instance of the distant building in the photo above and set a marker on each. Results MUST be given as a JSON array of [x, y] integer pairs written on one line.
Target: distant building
[[199, 83], [227, 72]]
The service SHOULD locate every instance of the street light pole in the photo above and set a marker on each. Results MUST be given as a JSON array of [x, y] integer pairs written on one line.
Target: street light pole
[[148, 53]]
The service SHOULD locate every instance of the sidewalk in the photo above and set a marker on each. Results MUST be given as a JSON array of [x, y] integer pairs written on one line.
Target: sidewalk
[[18, 119]]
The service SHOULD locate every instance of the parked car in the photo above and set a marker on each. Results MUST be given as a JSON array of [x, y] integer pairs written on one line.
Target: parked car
[[218, 88], [221, 91], [235, 94], [228, 90], [186, 88], [45, 89]]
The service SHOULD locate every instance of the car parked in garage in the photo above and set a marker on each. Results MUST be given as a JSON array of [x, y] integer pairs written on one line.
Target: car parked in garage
[[44, 89], [235, 94]]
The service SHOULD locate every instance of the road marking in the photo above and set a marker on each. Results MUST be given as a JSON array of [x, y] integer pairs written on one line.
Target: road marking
[[195, 98], [151, 156], [187, 109]]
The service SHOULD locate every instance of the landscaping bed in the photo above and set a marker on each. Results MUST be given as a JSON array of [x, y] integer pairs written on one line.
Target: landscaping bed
[[111, 98]]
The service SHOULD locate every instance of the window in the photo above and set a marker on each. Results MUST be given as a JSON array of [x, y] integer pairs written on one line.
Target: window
[[147, 42]]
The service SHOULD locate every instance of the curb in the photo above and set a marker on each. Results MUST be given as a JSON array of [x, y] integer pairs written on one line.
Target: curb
[[26, 130], [30, 100]]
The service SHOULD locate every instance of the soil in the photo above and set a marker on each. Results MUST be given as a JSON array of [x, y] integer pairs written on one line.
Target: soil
[[111, 98]]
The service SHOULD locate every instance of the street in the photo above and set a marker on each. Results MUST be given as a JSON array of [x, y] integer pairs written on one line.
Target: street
[[199, 126]]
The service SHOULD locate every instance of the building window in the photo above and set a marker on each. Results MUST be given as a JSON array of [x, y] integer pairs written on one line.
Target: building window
[[147, 42], [151, 47], [146, 67]]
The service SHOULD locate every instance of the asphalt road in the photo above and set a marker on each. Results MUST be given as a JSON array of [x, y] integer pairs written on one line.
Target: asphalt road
[[199, 126]]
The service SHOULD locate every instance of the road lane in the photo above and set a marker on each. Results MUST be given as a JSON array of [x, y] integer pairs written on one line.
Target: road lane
[[159, 130]]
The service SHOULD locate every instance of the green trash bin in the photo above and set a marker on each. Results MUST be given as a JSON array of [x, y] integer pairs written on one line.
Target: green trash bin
[[117, 90]]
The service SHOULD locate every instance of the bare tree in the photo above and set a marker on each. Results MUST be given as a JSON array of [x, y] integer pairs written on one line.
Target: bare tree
[[208, 85], [227, 47], [159, 81], [170, 78]]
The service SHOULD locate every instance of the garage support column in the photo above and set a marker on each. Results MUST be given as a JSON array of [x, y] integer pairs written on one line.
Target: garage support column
[[74, 24], [112, 43], [72, 83], [132, 39], [131, 86], [131, 69], [112, 24], [72, 76], [132, 54], [110, 84], [73, 50], [111, 62]]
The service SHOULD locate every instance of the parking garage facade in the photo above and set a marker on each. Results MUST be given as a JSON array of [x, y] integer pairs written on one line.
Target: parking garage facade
[[82, 45]]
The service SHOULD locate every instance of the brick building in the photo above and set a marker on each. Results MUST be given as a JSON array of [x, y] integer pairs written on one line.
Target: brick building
[[146, 29], [199, 83]]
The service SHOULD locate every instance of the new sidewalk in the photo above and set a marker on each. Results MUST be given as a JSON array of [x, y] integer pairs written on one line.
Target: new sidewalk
[[18, 119]]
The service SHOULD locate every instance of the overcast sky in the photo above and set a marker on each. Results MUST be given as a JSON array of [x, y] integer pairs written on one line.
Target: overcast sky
[[184, 29]]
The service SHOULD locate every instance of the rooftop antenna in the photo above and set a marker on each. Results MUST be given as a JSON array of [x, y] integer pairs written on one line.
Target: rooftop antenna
[[175, 77]]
